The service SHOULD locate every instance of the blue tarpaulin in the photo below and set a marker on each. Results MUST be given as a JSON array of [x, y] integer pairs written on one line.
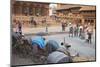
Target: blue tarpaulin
[[38, 40]]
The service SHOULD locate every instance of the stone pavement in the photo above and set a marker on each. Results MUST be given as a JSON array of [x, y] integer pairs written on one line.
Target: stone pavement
[[29, 30], [79, 45]]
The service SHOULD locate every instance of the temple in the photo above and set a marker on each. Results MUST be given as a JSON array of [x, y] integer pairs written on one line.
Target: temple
[[76, 13]]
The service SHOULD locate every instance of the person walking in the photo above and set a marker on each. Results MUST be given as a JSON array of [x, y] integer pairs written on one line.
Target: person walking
[[33, 22], [71, 31], [74, 30], [63, 26], [19, 27], [77, 30], [89, 35], [80, 31], [86, 34], [16, 26], [44, 21]]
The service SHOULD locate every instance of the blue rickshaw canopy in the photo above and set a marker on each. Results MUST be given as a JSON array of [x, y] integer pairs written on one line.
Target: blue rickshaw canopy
[[38, 40]]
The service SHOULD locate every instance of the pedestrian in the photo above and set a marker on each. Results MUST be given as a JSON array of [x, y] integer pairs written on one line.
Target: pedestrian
[[33, 22], [89, 35], [46, 27], [63, 26], [86, 35], [44, 21], [16, 27], [19, 27], [71, 31], [83, 33], [75, 30], [80, 31]]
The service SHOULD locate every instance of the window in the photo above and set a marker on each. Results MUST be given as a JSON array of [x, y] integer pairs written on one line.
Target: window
[[37, 11], [30, 11], [25, 11]]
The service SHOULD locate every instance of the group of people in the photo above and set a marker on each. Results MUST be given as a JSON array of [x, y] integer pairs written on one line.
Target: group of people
[[82, 31], [19, 24]]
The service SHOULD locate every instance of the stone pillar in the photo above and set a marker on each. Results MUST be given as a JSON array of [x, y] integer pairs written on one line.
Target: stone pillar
[[33, 10], [21, 8], [27, 8], [83, 20]]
